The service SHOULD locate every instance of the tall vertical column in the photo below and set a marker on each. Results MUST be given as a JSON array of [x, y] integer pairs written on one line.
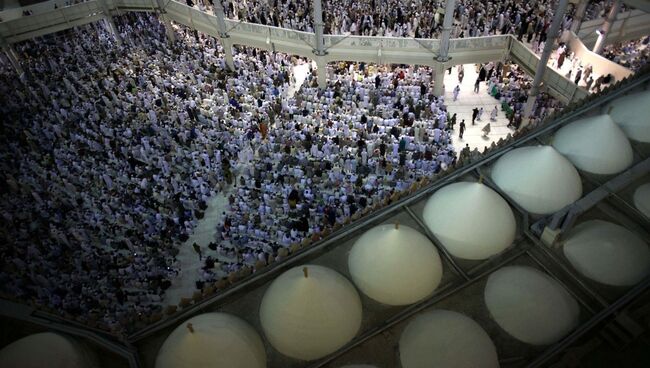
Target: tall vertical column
[[223, 35], [319, 47], [439, 79], [318, 28], [609, 20], [543, 61], [321, 66], [443, 54], [579, 16], [169, 31], [13, 59], [110, 24]]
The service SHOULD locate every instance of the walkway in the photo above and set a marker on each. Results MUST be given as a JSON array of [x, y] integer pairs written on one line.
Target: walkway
[[468, 100]]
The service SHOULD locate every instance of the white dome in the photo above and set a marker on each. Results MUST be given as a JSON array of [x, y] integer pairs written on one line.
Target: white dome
[[219, 340], [607, 253], [395, 266], [45, 350], [595, 145], [453, 208], [538, 178], [309, 317], [632, 114], [642, 199], [530, 305], [446, 339]]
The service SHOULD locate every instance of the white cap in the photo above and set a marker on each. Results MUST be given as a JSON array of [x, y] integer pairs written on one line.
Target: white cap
[[607, 253], [310, 311], [632, 114], [595, 145], [395, 265], [46, 350], [446, 339], [458, 207], [212, 340], [530, 305], [539, 179]]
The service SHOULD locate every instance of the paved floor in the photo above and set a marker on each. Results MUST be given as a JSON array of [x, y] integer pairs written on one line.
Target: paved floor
[[468, 100]]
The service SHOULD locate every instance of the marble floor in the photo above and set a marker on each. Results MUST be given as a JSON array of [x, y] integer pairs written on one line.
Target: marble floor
[[462, 107]]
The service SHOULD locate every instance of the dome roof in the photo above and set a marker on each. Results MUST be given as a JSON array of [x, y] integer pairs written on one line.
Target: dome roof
[[632, 114], [213, 340], [642, 199], [310, 311], [538, 178], [449, 211], [442, 339], [530, 305], [607, 253], [595, 145], [45, 350], [395, 265]]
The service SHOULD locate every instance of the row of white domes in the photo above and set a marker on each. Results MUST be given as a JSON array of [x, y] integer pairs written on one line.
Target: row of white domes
[[310, 312], [542, 180], [526, 303]]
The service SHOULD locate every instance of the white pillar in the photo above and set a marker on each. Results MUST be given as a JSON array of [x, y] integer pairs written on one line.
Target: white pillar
[[321, 67], [443, 54], [543, 61], [169, 31], [579, 16], [223, 35], [227, 50], [318, 28], [439, 79], [108, 20], [13, 59], [609, 20]]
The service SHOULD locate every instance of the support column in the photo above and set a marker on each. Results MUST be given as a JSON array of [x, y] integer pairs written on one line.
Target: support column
[[439, 79], [13, 59], [319, 28], [579, 16], [609, 21], [443, 54], [321, 66], [543, 61], [12, 56], [223, 35], [169, 31], [110, 24], [319, 47]]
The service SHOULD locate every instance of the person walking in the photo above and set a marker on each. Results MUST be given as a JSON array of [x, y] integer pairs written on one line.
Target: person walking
[[474, 115], [493, 114], [197, 249], [480, 113], [456, 92], [476, 85], [461, 73], [461, 129], [452, 122]]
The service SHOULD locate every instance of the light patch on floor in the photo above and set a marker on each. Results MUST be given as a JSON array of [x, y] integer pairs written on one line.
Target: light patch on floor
[[468, 100]]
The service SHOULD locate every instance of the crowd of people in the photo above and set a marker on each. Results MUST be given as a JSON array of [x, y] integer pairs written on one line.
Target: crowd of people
[[631, 54], [111, 151], [418, 18], [110, 154], [509, 85]]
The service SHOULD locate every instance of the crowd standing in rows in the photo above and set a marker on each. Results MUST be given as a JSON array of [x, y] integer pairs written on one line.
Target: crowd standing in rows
[[116, 150]]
